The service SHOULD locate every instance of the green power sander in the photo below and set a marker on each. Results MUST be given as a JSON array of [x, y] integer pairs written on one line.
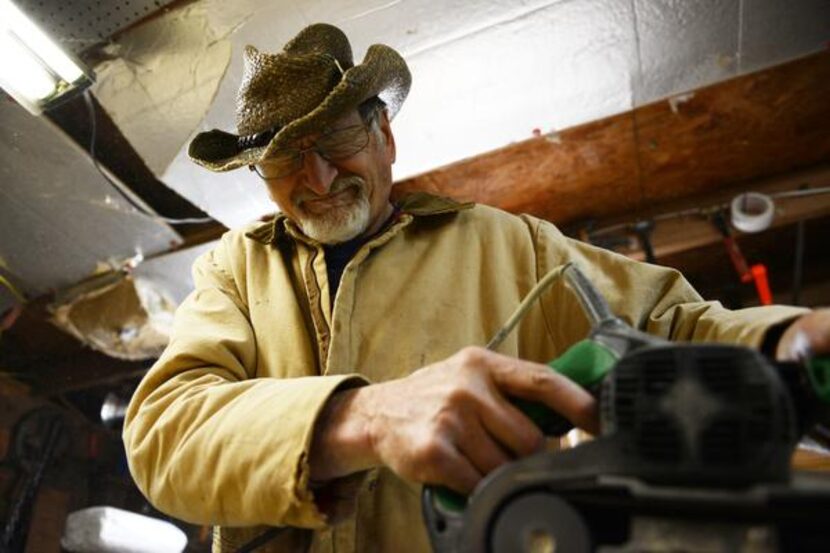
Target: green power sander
[[692, 435]]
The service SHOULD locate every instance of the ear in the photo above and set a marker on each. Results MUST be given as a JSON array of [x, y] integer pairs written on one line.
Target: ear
[[388, 138]]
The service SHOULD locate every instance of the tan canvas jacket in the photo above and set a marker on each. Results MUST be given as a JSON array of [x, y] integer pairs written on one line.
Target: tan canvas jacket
[[218, 431]]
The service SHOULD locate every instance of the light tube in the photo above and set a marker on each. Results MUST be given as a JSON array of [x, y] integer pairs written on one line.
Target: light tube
[[34, 70]]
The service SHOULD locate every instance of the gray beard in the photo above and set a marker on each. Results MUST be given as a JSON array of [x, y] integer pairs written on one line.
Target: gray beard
[[338, 224]]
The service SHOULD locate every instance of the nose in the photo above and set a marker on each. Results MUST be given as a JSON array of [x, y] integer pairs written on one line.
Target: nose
[[319, 172]]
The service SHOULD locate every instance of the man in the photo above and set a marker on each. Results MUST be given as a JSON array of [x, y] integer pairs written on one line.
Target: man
[[329, 362]]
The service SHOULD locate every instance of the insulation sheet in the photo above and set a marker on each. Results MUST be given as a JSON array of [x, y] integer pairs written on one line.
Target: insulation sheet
[[59, 219]]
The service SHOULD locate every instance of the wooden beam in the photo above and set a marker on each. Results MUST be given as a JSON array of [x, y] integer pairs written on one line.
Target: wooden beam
[[770, 122], [550, 177]]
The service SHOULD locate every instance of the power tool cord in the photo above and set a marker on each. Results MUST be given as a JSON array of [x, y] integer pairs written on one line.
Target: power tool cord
[[594, 306], [118, 187]]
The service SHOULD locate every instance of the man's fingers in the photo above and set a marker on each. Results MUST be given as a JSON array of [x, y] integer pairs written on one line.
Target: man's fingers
[[511, 427], [536, 382], [456, 472], [481, 449]]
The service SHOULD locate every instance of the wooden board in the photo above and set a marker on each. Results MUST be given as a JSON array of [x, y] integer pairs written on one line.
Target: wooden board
[[763, 124], [768, 122], [551, 177]]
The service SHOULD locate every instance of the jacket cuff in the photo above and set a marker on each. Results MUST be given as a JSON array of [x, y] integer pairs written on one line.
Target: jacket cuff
[[764, 334], [313, 506]]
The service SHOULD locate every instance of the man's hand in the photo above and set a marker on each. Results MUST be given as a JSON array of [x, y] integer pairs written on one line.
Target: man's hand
[[449, 423], [807, 336]]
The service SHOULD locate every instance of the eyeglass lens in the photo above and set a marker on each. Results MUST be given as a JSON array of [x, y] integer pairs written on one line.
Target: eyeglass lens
[[335, 145]]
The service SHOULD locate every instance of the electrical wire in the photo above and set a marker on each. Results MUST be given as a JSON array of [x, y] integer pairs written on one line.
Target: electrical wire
[[261, 540], [13, 289], [800, 193], [706, 211], [520, 311], [118, 187], [798, 262]]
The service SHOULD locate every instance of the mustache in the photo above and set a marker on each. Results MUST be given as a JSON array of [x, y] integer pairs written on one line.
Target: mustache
[[339, 185]]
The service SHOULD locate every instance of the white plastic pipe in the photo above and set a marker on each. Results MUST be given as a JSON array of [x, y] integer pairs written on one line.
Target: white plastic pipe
[[113, 530]]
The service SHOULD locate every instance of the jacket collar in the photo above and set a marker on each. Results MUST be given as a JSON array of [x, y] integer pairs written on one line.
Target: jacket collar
[[418, 204]]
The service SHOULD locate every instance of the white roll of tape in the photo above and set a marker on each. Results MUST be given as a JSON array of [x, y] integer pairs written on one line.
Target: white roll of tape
[[752, 212]]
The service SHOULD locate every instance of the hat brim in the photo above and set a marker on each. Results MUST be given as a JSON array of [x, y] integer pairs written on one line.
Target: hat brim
[[383, 73]]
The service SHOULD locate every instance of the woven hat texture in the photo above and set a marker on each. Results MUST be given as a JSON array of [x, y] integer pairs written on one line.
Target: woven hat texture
[[298, 91]]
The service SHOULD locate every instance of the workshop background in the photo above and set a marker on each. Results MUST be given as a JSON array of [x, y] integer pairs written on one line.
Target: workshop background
[[632, 124]]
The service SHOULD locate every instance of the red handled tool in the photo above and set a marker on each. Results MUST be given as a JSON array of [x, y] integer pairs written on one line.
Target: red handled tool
[[756, 273]]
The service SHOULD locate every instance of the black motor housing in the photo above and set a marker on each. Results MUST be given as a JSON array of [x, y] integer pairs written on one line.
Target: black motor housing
[[700, 415]]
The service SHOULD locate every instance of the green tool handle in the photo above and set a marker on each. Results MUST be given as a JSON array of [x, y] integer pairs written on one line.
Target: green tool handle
[[586, 363], [818, 371]]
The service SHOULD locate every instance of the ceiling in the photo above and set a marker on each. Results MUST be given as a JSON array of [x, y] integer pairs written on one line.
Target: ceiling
[[486, 74]]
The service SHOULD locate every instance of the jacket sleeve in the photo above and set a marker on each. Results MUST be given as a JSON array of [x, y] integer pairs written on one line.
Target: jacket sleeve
[[207, 442], [652, 298]]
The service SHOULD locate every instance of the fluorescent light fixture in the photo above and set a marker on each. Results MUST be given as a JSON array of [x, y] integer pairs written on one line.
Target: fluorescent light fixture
[[33, 68]]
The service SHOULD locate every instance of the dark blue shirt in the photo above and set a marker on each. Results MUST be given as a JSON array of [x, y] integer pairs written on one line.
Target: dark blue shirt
[[338, 255]]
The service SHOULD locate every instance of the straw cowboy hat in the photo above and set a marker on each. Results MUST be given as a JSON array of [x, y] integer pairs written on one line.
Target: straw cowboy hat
[[302, 89]]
